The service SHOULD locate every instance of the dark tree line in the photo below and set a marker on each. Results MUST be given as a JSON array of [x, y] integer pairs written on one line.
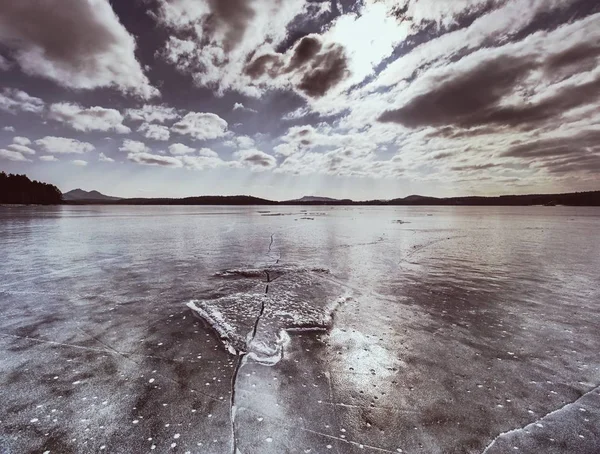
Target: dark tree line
[[20, 189]]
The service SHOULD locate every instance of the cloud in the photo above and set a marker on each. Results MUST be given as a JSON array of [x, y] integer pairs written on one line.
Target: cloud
[[184, 156], [103, 158], [310, 67], [21, 148], [88, 119], [79, 162], [12, 155], [344, 161], [63, 145], [4, 64], [48, 158], [150, 159], [244, 142], [240, 106], [465, 99], [203, 162], [78, 44], [214, 40], [21, 140], [140, 153], [13, 101], [8, 128], [255, 160], [155, 132], [201, 126], [560, 154], [152, 114], [133, 146], [180, 149]]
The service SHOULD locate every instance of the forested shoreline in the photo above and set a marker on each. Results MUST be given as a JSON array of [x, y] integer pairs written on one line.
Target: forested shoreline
[[19, 189]]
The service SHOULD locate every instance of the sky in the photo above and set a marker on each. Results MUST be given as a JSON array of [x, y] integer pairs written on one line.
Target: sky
[[371, 99]]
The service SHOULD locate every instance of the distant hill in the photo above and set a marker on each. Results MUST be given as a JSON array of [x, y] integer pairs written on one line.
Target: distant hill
[[201, 200], [312, 198], [315, 200], [80, 194], [18, 189]]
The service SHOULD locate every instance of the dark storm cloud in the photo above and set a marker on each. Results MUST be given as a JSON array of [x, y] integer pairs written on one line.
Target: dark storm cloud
[[78, 44], [326, 72], [460, 100], [579, 143], [234, 16], [473, 99], [306, 49], [270, 64], [582, 54], [319, 69], [443, 155], [576, 153], [474, 167]]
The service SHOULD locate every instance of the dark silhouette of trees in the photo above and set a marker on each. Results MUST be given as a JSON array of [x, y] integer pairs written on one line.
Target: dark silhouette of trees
[[20, 189]]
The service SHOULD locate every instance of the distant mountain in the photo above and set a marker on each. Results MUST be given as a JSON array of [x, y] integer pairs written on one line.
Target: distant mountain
[[201, 200], [80, 195], [309, 199], [312, 198]]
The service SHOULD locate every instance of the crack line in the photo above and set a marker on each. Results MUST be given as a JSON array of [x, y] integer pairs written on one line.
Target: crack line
[[518, 429]]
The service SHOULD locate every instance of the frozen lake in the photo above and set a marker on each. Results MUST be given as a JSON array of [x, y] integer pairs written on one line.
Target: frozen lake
[[299, 329]]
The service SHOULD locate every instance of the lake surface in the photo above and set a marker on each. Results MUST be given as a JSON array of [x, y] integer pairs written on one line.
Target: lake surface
[[299, 329]]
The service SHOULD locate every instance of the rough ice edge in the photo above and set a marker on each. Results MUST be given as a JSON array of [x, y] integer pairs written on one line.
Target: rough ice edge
[[260, 272], [258, 350], [530, 425], [217, 322]]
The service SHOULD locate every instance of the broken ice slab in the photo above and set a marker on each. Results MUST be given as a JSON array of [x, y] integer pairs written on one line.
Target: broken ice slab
[[285, 298]]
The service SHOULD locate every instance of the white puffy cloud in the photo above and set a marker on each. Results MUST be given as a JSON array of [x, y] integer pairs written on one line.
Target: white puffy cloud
[[21, 148], [245, 142], [48, 158], [133, 146], [12, 155], [8, 128], [63, 145], [88, 119], [201, 126], [78, 44], [21, 140], [180, 149], [240, 106], [154, 132], [103, 158], [255, 160], [208, 153], [153, 114], [13, 101], [79, 162]]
